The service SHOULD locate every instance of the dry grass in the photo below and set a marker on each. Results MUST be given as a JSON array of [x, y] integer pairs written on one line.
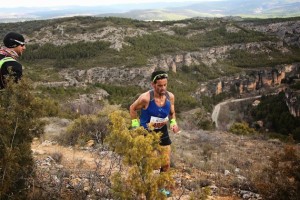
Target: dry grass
[[228, 161], [207, 165]]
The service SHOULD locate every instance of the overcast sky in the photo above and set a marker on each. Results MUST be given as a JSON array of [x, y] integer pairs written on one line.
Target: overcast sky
[[54, 3]]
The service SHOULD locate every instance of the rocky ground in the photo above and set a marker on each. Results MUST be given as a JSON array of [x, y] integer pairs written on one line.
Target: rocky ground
[[224, 163]]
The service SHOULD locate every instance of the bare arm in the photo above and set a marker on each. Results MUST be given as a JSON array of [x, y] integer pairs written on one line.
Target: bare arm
[[141, 102], [172, 111], [172, 114]]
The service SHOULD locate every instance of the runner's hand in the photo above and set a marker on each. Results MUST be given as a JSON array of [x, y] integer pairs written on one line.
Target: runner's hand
[[175, 128]]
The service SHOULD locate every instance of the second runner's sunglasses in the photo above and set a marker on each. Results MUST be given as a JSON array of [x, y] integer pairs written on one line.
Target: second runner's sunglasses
[[159, 76], [19, 42]]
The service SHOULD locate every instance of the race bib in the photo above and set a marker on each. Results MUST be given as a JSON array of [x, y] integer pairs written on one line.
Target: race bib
[[157, 122]]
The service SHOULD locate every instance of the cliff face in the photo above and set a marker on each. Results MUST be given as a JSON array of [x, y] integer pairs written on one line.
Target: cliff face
[[257, 82], [252, 82], [293, 102]]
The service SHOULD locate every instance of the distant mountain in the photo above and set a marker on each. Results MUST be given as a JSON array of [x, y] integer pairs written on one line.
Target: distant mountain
[[163, 11], [254, 8]]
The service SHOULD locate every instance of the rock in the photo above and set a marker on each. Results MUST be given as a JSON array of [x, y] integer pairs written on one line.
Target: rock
[[256, 103], [38, 152], [75, 182], [226, 172], [213, 188], [90, 143], [242, 178], [47, 143]]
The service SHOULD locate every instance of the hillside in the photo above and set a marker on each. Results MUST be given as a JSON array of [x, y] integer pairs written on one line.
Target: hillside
[[81, 60], [85, 51], [227, 165], [89, 66]]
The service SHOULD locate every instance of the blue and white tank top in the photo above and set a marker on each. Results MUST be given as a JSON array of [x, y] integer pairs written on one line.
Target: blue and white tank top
[[157, 117]]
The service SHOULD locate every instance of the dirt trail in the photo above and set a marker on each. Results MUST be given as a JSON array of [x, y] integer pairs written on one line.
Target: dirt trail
[[72, 158]]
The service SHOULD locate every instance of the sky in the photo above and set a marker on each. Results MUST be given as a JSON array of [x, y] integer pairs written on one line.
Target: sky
[[56, 3]]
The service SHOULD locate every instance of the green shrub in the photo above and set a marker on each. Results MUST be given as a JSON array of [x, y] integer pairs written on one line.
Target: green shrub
[[20, 113], [85, 128], [138, 149], [245, 59], [77, 50], [220, 36], [242, 129], [49, 107], [203, 120], [296, 86], [120, 94]]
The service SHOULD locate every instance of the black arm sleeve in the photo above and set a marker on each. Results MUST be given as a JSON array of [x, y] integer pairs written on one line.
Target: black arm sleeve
[[12, 67]]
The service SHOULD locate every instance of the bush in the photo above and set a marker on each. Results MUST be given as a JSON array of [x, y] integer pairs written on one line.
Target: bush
[[281, 180], [85, 128], [20, 113], [203, 120], [242, 129], [138, 149]]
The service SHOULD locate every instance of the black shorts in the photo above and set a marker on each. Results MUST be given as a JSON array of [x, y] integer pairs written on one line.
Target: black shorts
[[164, 139]]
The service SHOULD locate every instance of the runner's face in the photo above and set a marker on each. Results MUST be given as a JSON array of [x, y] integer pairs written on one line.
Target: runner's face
[[19, 49], [160, 87]]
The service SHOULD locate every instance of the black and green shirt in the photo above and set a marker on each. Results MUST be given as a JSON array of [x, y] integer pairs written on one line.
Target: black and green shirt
[[8, 65]]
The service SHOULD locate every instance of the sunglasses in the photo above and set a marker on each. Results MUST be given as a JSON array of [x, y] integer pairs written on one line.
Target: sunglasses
[[159, 76], [22, 44]]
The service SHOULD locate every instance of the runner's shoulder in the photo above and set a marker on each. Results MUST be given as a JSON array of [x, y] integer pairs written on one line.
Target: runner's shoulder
[[145, 97], [171, 95]]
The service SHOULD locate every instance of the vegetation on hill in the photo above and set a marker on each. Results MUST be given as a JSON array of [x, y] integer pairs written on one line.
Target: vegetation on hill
[[206, 33], [260, 21], [244, 59], [44, 61], [275, 114]]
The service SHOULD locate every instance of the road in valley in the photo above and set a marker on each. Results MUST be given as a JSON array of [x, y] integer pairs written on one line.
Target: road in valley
[[217, 108]]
